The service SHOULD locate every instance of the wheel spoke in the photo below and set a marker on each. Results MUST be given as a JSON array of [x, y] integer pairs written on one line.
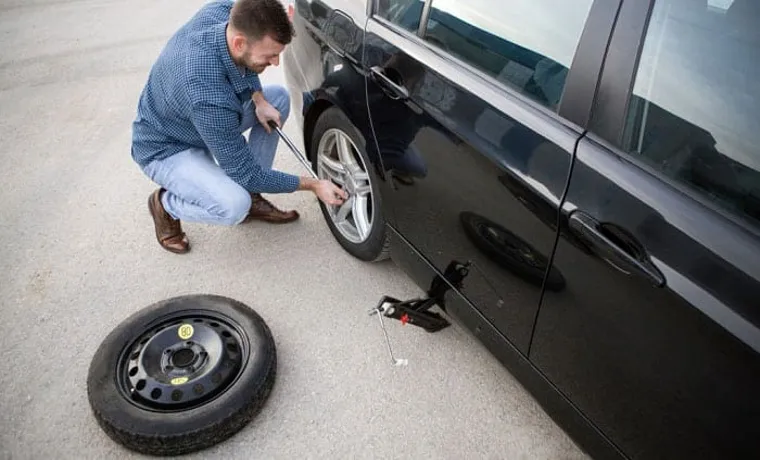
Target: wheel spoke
[[363, 190], [361, 176], [344, 210], [345, 153], [361, 215], [332, 169]]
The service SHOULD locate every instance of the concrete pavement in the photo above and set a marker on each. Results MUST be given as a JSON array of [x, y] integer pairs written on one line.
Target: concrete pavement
[[78, 255]]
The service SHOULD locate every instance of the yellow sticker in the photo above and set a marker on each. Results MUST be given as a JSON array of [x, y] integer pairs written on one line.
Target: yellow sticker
[[185, 331], [179, 380]]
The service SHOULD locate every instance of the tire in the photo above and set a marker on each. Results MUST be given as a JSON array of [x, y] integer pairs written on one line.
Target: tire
[[512, 253], [202, 410], [375, 247]]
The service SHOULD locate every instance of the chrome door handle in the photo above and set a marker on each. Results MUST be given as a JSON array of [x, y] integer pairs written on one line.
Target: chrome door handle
[[393, 89], [616, 247]]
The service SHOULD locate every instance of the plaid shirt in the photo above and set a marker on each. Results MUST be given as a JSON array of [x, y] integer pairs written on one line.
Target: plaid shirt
[[194, 98]]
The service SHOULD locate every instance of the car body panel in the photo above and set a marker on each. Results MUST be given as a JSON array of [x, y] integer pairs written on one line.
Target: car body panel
[[639, 359], [654, 361], [456, 159], [664, 359]]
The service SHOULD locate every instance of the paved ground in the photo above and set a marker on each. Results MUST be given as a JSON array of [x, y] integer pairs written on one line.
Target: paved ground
[[78, 255]]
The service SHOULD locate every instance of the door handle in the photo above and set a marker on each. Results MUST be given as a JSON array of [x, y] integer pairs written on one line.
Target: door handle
[[616, 246], [393, 89]]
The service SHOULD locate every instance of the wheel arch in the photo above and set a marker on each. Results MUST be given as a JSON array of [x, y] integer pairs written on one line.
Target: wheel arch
[[316, 109]]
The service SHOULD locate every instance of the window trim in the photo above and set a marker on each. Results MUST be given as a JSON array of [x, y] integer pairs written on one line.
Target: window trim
[[575, 111], [372, 14], [477, 74], [579, 96], [610, 110]]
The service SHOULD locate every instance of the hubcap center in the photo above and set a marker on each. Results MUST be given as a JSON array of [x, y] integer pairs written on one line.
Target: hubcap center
[[183, 358]]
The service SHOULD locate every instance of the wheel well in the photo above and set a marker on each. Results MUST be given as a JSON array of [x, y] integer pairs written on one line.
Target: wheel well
[[310, 120]]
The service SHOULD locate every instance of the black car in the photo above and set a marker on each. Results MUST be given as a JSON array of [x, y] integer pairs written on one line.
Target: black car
[[577, 182]]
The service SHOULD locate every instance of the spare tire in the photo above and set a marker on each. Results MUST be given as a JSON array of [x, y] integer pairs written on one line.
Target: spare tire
[[182, 374]]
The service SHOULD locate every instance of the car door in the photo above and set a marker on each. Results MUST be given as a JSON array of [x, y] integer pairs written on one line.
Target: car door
[[655, 337], [466, 105]]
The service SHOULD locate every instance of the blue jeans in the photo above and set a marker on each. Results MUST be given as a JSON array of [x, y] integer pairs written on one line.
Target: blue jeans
[[198, 190]]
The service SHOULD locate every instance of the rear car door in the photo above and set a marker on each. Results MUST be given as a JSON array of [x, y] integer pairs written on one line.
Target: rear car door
[[470, 113], [655, 337]]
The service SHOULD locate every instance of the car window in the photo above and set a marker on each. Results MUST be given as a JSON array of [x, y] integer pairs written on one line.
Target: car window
[[403, 13], [695, 109], [528, 45]]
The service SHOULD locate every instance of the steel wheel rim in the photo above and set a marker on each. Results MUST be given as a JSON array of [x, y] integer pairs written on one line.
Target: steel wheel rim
[[183, 361], [338, 160]]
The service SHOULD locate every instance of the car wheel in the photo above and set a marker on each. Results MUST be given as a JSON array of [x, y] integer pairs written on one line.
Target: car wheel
[[339, 154], [182, 375]]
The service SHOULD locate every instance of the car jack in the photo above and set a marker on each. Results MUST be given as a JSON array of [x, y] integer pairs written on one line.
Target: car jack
[[416, 311]]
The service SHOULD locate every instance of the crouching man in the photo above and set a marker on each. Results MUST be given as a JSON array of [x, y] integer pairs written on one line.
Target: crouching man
[[202, 94]]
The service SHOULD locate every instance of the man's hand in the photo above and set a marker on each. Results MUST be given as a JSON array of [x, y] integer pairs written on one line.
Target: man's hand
[[265, 112], [325, 190], [330, 193]]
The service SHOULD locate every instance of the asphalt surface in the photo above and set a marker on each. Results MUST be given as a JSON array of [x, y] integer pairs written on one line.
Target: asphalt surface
[[78, 255]]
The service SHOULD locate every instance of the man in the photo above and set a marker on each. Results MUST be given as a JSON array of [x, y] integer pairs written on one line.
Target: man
[[202, 94]]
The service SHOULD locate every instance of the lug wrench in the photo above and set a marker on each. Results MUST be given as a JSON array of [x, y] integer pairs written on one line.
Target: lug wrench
[[300, 156], [380, 309]]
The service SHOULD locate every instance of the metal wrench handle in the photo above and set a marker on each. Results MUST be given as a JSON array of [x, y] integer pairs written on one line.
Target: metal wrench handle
[[379, 311], [300, 156]]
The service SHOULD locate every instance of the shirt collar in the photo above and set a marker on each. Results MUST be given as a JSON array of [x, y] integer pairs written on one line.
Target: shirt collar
[[239, 82]]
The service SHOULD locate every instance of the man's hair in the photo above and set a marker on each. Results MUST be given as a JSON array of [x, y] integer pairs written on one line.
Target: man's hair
[[259, 18]]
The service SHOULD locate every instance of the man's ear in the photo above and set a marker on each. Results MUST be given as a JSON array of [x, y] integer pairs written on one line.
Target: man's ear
[[238, 44]]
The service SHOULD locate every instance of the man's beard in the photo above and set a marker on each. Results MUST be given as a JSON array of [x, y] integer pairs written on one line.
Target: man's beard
[[257, 68], [251, 66]]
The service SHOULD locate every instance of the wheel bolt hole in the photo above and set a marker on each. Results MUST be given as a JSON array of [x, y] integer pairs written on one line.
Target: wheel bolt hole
[[226, 334], [198, 389], [133, 372], [214, 324], [140, 385], [134, 356], [232, 347], [176, 395], [197, 320], [156, 393]]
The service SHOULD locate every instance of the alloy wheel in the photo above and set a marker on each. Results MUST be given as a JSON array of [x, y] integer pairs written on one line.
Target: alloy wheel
[[338, 160]]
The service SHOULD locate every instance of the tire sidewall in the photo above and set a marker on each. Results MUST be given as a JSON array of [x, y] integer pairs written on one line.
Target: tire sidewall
[[115, 410], [372, 248]]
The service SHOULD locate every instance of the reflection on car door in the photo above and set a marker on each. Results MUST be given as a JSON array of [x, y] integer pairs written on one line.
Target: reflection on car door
[[479, 170], [655, 337]]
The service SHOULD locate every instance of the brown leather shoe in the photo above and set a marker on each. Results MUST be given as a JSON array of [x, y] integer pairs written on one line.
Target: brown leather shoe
[[168, 230], [261, 209]]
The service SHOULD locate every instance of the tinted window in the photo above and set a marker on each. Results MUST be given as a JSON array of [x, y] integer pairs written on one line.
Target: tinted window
[[695, 110], [403, 13], [526, 44]]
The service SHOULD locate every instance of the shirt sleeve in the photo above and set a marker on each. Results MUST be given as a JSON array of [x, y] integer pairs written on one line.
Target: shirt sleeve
[[218, 125], [253, 81]]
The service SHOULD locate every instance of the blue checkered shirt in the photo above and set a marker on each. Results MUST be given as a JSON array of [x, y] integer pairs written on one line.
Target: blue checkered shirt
[[194, 98]]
